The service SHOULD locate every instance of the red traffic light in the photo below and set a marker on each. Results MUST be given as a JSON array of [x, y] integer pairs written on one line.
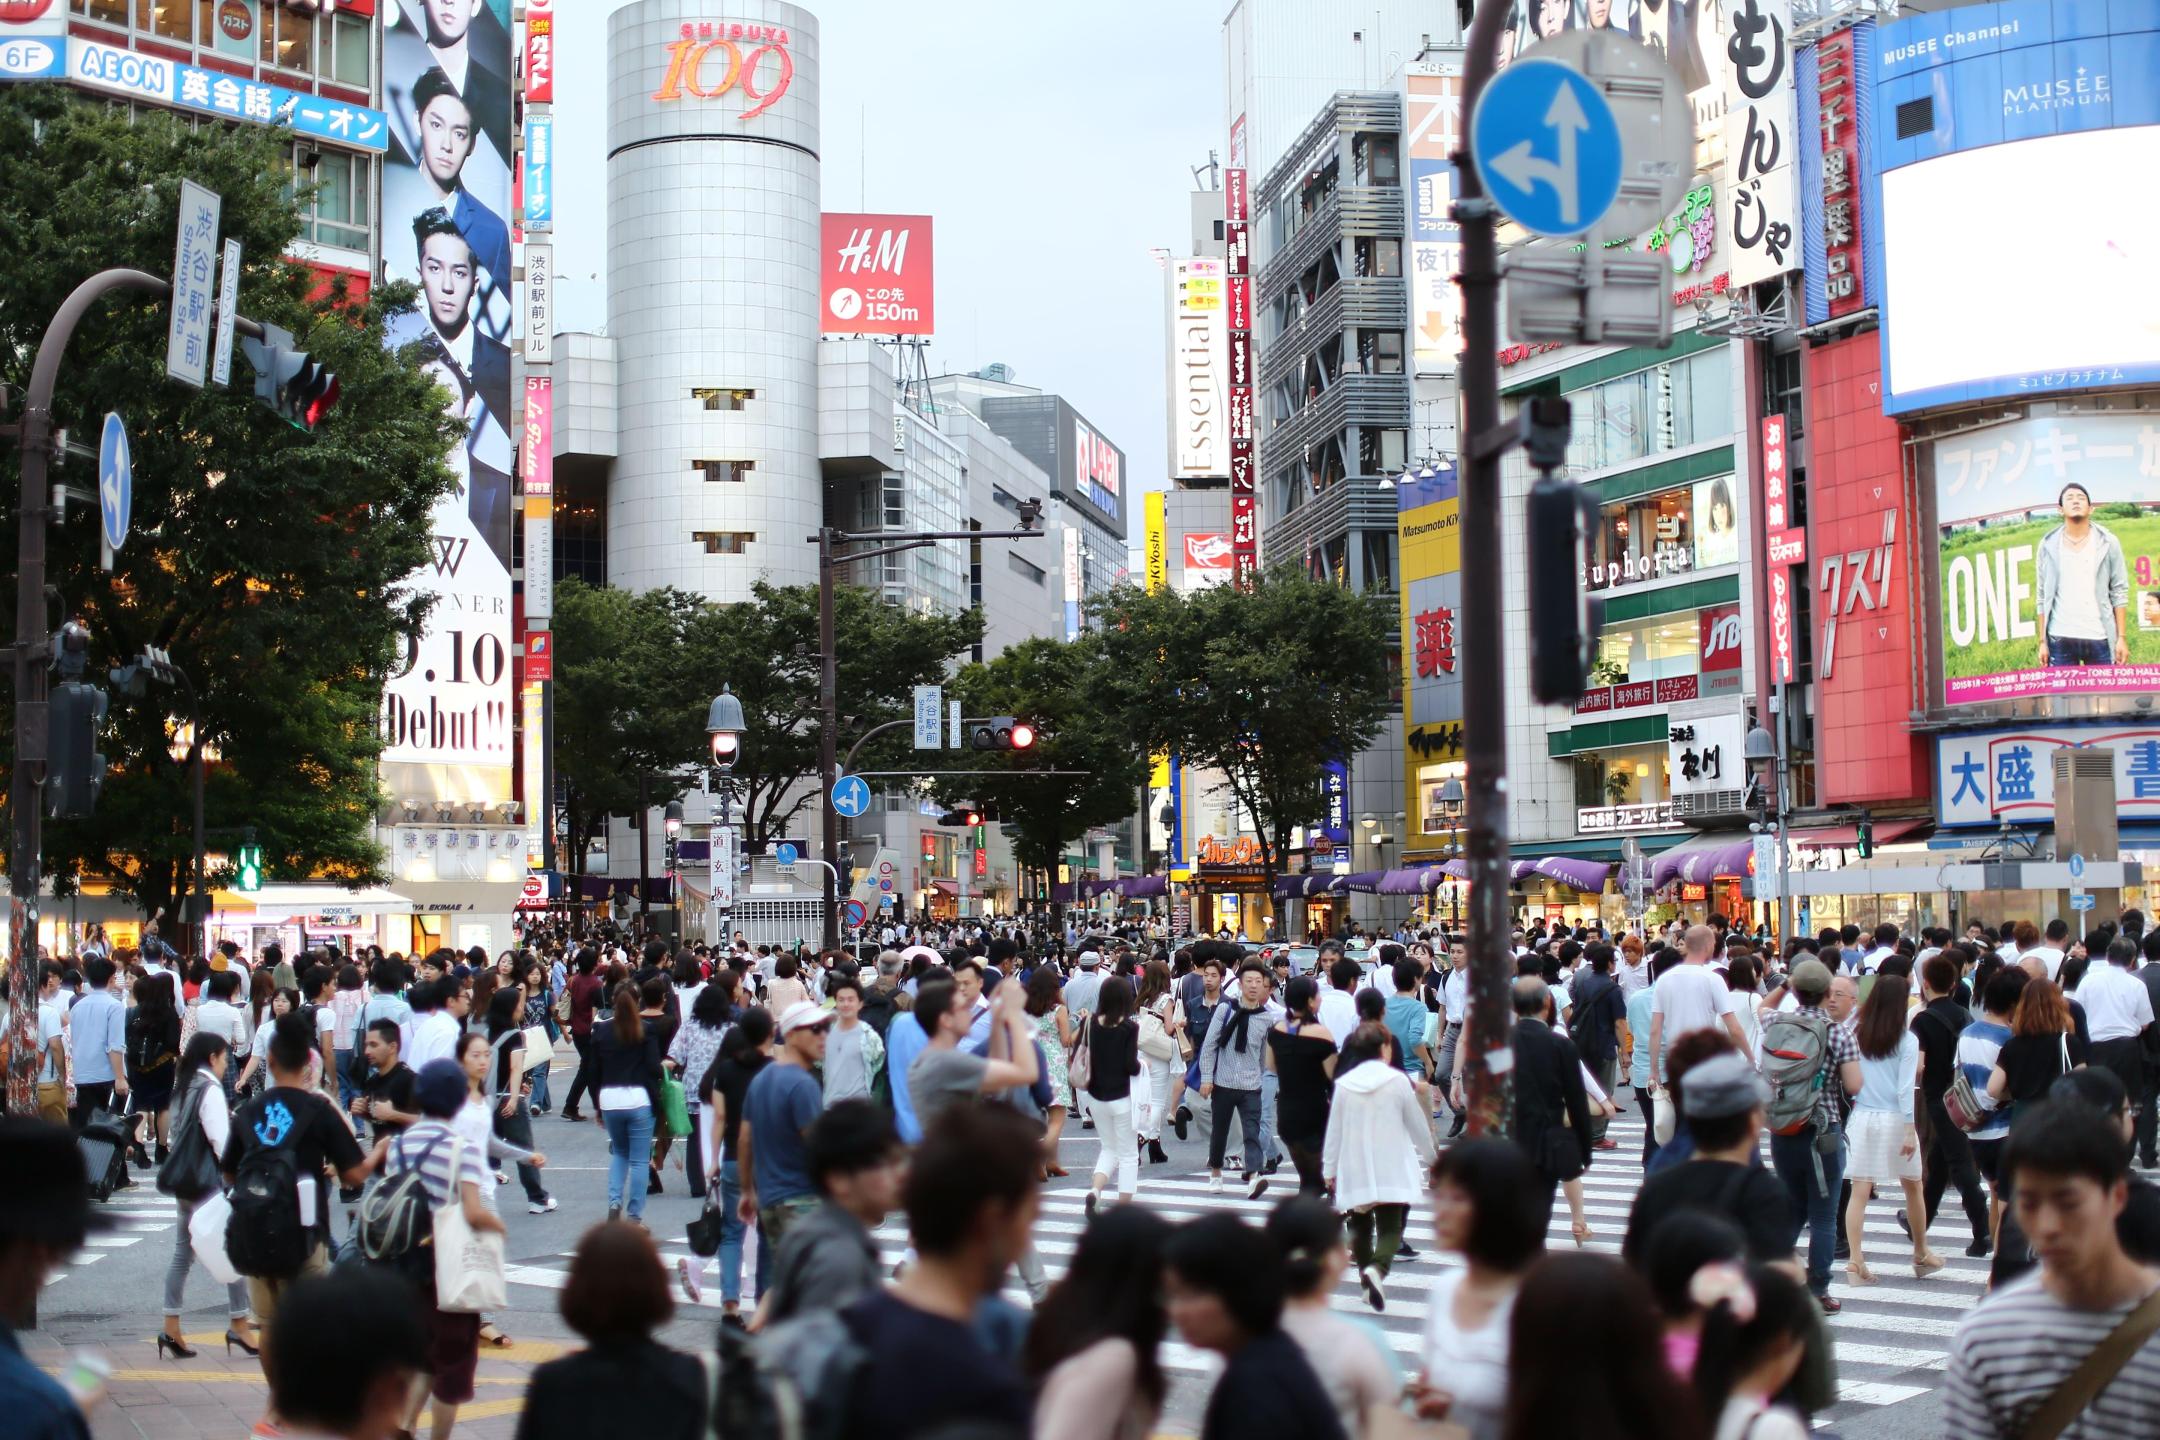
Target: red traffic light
[[974, 817], [1023, 735]]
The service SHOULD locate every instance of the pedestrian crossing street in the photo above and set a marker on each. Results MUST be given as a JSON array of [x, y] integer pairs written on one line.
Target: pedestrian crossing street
[[1892, 1337], [136, 1213]]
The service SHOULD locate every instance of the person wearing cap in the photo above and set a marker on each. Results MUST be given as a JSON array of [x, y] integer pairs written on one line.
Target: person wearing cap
[[1722, 1102], [782, 1103], [44, 1218], [1810, 1162]]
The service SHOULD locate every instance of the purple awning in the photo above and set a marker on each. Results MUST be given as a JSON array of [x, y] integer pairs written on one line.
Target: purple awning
[[1412, 880], [1586, 875], [1522, 869], [1365, 882], [1455, 869], [1142, 887], [1701, 859], [1297, 887]]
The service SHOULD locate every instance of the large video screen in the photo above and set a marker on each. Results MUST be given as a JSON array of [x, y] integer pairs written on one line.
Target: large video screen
[[2085, 284]]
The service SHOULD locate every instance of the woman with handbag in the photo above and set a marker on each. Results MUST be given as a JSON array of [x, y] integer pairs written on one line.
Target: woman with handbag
[[1053, 1024], [1159, 1060], [532, 978], [152, 1058], [1882, 1142], [201, 1126], [502, 1096], [690, 1055]]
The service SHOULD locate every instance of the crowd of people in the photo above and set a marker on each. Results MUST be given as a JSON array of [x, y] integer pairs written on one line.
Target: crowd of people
[[818, 1097]]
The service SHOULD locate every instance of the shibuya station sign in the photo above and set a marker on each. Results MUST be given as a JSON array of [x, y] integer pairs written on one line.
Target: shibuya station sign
[[713, 59]]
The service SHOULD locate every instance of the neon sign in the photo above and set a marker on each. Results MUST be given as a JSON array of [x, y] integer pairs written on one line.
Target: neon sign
[[744, 49]]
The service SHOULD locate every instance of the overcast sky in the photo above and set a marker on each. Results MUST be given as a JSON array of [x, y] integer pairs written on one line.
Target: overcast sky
[[1052, 144]]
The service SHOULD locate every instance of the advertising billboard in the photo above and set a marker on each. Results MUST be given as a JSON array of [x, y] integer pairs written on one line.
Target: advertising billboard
[[540, 51], [1986, 777], [1210, 559], [1760, 179], [876, 275], [1432, 132], [1835, 80], [448, 712], [1994, 117], [33, 39], [1098, 469], [1199, 365], [2049, 556], [1428, 527]]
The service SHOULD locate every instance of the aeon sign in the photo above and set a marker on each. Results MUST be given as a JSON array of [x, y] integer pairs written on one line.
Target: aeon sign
[[715, 58]]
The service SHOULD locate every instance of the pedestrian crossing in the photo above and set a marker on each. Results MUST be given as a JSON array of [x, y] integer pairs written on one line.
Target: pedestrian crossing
[[135, 1213], [1892, 1338]]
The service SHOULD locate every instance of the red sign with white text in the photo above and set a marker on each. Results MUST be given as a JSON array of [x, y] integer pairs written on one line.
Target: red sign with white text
[[539, 656], [1781, 624], [1844, 282], [1720, 638], [713, 59], [876, 276], [1208, 552], [539, 52], [1774, 474]]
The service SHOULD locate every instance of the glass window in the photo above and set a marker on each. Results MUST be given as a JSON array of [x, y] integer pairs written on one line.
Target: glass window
[[1683, 403], [347, 38], [1649, 537], [112, 12], [332, 190], [1384, 170], [166, 19], [724, 542], [1379, 257], [288, 39], [727, 470], [716, 397], [1653, 650]]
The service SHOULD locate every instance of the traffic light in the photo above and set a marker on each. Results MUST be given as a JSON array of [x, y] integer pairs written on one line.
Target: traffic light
[[1564, 618], [726, 748], [1864, 836], [75, 769], [290, 381], [250, 866], [1002, 732]]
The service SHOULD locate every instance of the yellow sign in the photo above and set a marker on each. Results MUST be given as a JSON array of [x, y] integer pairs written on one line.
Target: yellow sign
[[1429, 550], [1158, 542]]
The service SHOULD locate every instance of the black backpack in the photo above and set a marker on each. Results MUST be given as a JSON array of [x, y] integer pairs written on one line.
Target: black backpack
[[395, 1224], [1582, 1015], [266, 1237]]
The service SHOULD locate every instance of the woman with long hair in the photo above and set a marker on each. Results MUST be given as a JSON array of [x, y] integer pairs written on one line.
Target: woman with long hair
[[1092, 1347], [744, 1050], [1491, 1207], [1373, 1157], [1113, 1041], [656, 998], [533, 984], [507, 1094], [626, 1058], [1882, 1142], [152, 1056], [256, 1073], [202, 1124], [1155, 1008], [689, 1056], [1754, 1338], [1617, 1389], [1356, 1366], [1301, 1052], [2042, 1048], [1053, 1023], [1226, 1295]]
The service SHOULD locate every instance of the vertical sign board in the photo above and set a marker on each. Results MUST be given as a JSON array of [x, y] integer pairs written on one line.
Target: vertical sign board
[[1433, 121], [532, 704], [1237, 267], [228, 308], [187, 338], [448, 711], [1156, 541], [1073, 583], [1199, 359], [929, 717], [537, 463], [539, 175], [539, 306], [539, 52], [1834, 84], [1760, 154]]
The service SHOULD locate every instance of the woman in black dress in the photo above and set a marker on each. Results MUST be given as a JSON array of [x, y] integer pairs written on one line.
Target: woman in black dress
[[153, 1058], [1301, 1051]]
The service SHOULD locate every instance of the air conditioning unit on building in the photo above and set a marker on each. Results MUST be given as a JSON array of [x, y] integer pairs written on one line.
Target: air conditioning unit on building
[[1710, 809], [2085, 818]]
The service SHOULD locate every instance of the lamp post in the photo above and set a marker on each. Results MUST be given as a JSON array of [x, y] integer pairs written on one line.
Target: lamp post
[[672, 827], [724, 724], [1763, 748], [1451, 809]]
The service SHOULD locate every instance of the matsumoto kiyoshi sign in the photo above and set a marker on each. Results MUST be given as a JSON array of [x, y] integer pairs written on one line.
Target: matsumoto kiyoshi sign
[[2049, 557]]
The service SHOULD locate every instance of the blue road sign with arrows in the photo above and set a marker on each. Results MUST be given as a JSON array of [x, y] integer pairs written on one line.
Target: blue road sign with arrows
[[116, 480], [784, 855], [850, 795], [1548, 146]]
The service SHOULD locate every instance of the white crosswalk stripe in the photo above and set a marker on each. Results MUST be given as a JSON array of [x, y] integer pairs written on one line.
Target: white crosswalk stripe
[[133, 1214], [1891, 1339]]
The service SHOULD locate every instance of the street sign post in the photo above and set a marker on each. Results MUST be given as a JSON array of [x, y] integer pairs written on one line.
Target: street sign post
[[187, 338], [2077, 867], [116, 487], [1548, 142], [850, 796], [954, 738], [785, 855], [929, 717], [228, 309], [857, 912], [2081, 900]]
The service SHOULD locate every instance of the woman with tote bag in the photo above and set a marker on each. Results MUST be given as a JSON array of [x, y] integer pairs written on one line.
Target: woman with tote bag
[[201, 1124]]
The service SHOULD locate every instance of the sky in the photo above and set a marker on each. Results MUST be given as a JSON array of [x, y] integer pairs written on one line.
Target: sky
[[1052, 144]]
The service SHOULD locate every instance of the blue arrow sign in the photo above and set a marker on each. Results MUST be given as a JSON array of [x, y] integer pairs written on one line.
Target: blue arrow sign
[[850, 795], [2077, 867], [2083, 900], [1548, 146], [784, 855], [116, 480]]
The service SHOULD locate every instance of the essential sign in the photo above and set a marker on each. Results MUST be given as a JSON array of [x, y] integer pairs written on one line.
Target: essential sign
[[1548, 147], [187, 338], [210, 92], [850, 795]]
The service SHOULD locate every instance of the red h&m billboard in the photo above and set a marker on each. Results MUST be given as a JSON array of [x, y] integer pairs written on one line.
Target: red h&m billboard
[[875, 275], [1859, 584]]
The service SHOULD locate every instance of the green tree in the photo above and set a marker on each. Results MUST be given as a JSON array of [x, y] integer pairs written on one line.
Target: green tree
[[1264, 685], [1058, 686], [269, 562]]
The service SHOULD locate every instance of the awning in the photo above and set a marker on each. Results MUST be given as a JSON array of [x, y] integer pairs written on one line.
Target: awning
[[1706, 857], [1141, 887], [1414, 880], [950, 887], [1365, 882], [1836, 836], [278, 902], [1522, 869], [1585, 875]]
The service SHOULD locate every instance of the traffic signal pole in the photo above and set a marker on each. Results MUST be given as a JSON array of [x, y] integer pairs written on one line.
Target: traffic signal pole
[[1488, 1032], [34, 441]]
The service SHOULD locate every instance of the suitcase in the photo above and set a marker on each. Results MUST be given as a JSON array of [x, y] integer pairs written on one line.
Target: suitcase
[[103, 1145]]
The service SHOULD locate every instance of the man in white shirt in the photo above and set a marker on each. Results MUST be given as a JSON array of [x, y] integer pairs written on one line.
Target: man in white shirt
[[2050, 951], [2118, 1012], [217, 1015], [1692, 997], [1886, 938], [441, 1020], [1338, 992]]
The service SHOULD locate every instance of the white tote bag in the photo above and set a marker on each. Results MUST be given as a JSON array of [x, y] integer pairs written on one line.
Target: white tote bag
[[206, 1236], [538, 1052], [468, 1263]]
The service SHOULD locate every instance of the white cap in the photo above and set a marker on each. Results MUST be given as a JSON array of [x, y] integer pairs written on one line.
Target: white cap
[[801, 1014], [1089, 959]]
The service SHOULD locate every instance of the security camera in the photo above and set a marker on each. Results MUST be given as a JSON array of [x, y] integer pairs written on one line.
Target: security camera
[[1030, 513]]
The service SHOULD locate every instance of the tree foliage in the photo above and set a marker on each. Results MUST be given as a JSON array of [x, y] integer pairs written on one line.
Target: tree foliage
[[1060, 687], [278, 587], [1264, 685], [636, 673]]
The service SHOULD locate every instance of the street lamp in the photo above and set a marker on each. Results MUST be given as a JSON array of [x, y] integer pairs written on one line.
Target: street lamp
[[1451, 808], [724, 724], [1762, 748]]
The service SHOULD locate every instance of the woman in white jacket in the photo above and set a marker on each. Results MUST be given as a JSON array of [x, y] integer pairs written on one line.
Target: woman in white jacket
[[1379, 1146]]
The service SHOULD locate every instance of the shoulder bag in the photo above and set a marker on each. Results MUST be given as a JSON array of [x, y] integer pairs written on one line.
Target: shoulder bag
[[468, 1262], [2095, 1373], [1080, 1064], [190, 1171]]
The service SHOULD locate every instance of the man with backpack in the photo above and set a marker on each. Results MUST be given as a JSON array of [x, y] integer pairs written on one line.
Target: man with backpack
[[1809, 1060], [282, 1142]]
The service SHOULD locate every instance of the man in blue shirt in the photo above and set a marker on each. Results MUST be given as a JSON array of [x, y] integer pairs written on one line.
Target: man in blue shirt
[[773, 1155], [44, 1214], [98, 1038]]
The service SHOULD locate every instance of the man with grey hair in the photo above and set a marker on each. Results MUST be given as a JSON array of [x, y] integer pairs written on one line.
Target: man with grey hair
[[1810, 1160], [1552, 1109], [1692, 997]]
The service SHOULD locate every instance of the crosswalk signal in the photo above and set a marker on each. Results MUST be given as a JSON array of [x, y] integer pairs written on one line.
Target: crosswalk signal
[[75, 769], [250, 867], [1002, 732], [294, 384], [1864, 837]]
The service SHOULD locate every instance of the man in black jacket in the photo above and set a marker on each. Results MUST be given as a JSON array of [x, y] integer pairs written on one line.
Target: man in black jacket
[[1949, 1154], [1552, 1110]]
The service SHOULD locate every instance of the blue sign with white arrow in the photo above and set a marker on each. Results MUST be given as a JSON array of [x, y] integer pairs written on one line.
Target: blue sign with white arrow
[[850, 795], [784, 855], [1548, 147], [116, 480]]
